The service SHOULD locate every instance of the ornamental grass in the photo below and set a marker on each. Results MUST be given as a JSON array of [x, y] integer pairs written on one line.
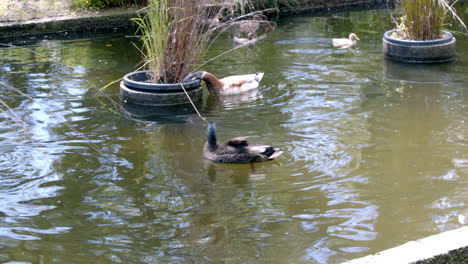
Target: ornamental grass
[[425, 19], [174, 35]]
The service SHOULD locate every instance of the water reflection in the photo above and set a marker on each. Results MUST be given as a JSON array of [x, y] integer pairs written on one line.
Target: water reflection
[[160, 114], [419, 73], [250, 98], [410, 135]]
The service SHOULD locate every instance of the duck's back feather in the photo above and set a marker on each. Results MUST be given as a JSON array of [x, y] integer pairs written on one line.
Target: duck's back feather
[[343, 42], [257, 77], [241, 83], [237, 142], [349, 42], [237, 150]]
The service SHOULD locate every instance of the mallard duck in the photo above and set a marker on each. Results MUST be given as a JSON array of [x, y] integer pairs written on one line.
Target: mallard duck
[[228, 85], [250, 25], [344, 43], [254, 24], [236, 150]]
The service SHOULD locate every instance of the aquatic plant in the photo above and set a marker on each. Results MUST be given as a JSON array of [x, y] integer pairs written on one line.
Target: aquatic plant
[[174, 35], [424, 19]]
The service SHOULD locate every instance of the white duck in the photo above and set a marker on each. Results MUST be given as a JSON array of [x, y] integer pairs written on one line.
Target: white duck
[[251, 39], [344, 43], [228, 85]]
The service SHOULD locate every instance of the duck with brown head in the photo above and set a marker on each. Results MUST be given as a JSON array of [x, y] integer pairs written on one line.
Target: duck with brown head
[[228, 85]]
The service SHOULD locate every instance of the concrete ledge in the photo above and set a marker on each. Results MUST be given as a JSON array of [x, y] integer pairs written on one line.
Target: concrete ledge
[[450, 247], [108, 20], [318, 7], [71, 23]]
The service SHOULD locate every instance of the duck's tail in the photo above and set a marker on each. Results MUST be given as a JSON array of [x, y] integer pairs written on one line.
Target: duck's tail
[[211, 134], [258, 76], [272, 153], [277, 152]]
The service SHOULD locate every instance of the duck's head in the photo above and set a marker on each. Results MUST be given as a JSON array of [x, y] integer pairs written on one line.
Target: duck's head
[[353, 37], [211, 134], [251, 36]]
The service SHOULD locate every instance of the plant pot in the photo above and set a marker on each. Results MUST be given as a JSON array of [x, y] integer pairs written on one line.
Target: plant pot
[[425, 51], [136, 89]]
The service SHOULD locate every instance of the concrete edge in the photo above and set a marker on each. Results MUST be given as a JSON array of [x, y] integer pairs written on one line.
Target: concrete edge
[[324, 8], [105, 21], [71, 23], [446, 247]]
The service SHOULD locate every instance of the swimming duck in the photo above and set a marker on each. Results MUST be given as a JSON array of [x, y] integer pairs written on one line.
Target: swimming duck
[[236, 150], [251, 39], [228, 85], [251, 25], [344, 43]]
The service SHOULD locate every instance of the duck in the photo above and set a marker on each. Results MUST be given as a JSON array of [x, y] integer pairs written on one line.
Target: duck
[[236, 150], [251, 39], [250, 25], [254, 23], [344, 43], [228, 85]]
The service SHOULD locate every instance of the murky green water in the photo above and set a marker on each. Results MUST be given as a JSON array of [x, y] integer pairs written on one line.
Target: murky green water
[[375, 153]]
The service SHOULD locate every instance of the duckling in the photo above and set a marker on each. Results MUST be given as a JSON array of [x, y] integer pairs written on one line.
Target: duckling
[[344, 43], [228, 85], [236, 150], [251, 39]]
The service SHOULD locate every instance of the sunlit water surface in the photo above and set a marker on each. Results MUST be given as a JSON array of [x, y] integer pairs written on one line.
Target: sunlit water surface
[[375, 153]]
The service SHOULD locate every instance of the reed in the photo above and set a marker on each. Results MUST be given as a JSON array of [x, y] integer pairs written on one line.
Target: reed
[[174, 35], [425, 19]]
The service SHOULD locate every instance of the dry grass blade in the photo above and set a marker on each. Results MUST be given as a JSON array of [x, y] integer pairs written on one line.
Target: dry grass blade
[[17, 119], [20, 122], [451, 10]]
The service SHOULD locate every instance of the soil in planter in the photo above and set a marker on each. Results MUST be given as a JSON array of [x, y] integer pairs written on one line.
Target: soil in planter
[[402, 36]]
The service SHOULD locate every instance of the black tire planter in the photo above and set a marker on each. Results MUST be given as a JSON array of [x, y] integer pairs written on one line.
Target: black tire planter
[[135, 89], [430, 51]]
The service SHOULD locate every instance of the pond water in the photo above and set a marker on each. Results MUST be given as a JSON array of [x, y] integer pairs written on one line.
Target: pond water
[[375, 152]]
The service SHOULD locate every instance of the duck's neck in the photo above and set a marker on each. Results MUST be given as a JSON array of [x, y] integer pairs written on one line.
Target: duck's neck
[[213, 84], [211, 134]]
